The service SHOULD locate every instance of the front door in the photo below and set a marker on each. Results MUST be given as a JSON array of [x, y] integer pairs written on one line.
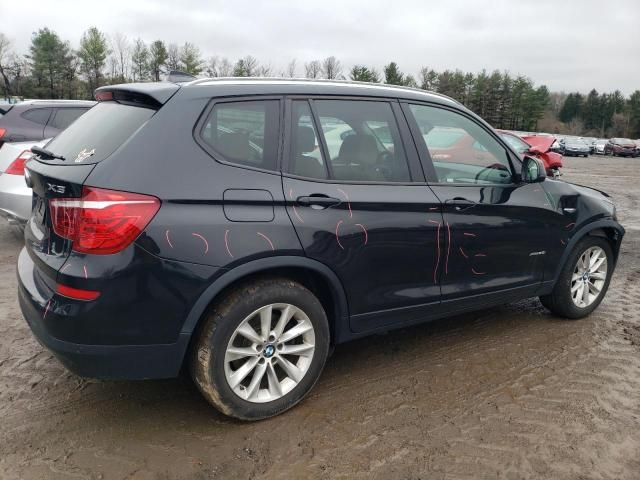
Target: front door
[[496, 240], [356, 195]]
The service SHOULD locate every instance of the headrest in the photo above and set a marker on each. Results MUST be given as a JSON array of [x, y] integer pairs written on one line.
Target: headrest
[[305, 140]]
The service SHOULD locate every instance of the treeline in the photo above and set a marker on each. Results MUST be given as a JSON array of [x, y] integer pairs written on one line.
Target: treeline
[[52, 68]]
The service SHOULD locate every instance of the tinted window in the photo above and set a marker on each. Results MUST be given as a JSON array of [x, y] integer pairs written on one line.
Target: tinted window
[[99, 132], [362, 140], [306, 159], [244, 132], [66, 116], [473, 157], [37, 115]]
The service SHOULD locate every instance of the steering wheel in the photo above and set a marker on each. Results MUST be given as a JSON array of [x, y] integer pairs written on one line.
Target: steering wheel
[[493, 166]]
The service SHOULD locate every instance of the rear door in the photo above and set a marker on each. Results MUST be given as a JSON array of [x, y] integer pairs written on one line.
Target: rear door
[[497, 234], [356, 195]]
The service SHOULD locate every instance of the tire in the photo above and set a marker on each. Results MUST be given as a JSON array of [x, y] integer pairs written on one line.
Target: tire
[[560, 301], [212, 362]]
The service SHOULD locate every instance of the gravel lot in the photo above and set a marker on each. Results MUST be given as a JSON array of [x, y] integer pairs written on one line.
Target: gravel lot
[[510, 392]]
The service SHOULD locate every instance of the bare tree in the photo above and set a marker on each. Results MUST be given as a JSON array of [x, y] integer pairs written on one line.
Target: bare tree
[[265, 71], [211, 67], [331, 68], [121, 52], [225, 67], [173, 57], [291, 69], [5, 55], [313, 69]]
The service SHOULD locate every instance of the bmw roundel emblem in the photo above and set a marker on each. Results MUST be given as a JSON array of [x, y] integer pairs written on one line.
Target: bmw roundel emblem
[[269, 350]]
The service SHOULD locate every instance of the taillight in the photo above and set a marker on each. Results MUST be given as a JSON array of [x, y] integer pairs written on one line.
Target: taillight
[[2, 132], [102, 221], [17, 166], [77, 293]]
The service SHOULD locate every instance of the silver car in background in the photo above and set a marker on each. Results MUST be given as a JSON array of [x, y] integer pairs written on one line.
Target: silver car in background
[[15, 196]]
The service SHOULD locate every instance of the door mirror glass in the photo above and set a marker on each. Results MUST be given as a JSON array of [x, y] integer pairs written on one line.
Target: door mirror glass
[[533, 170]]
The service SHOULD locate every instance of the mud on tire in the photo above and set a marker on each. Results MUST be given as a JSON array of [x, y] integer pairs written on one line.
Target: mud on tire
[[210, 365]]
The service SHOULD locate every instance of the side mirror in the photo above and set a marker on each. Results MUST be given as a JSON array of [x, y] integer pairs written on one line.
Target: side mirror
[[533, 170]]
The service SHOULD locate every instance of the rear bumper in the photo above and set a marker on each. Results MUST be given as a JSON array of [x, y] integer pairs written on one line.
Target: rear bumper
[[132, 362], [15, 198]]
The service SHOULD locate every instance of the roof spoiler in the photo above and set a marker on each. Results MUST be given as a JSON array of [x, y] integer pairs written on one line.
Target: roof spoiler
[[150, 95]]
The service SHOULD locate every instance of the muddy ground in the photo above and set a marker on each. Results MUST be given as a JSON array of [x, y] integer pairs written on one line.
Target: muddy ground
[[510, 392]]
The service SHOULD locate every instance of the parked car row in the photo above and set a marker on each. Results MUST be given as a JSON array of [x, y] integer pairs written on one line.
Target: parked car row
[[23, 126]]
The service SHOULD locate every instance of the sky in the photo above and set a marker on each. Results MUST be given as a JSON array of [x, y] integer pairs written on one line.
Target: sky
[[568, 45]]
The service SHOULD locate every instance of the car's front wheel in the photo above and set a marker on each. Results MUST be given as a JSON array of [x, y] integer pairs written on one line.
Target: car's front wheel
[[583, 281], [261, 349]]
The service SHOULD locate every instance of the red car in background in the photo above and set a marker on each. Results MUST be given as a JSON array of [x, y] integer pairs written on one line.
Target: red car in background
[[538, 146]]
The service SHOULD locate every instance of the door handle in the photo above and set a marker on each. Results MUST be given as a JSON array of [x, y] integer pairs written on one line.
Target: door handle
[[460, 204], [318, 201]]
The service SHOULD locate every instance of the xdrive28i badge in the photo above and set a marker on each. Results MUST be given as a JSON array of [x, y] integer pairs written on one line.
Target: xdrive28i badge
[[84, 154]]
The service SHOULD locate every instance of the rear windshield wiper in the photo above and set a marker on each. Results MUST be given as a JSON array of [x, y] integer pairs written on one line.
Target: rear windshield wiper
[[46, 154]]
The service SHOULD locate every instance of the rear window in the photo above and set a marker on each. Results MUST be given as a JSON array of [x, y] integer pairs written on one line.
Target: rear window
[[66, 116], [99, 132], [244, 132], [37, 115]]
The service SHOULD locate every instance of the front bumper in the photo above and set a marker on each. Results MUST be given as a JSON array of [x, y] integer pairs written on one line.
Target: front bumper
[[41, 306], [15, 198]]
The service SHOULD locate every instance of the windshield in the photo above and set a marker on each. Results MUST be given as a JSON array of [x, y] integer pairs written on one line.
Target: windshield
[[99, 132], [516, 143]]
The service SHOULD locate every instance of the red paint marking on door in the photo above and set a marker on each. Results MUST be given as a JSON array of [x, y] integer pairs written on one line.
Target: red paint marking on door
[[477, 273], [435, 270], [338, 235], [467, 234], [206, 244], [366, 235], [267, 239], [348, 202], [446, 264], [46, 309], [166, 234], [569, 226], [84, 267], [226, 243], [480, 255], [65, 267], [462, 252]]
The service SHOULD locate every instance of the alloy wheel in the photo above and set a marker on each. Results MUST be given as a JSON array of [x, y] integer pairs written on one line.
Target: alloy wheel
[[269, 353], [589, 277]]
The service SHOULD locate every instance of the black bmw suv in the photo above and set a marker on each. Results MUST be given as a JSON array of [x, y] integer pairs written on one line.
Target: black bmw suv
[[243, 227]]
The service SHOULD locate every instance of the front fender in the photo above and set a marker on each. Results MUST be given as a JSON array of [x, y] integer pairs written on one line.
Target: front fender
[[584, 231]]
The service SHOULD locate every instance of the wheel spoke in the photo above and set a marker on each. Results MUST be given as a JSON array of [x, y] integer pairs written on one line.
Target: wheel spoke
[[301, 328], [594, 289], [265, 322], [598, 263], [240, 374], [236, 353], [599, 276], [274, 383], [575, 287], [575, 276], [302, 349], [290, 369], [578, 294], [285, 316], [249, 333], [585, 295], [254, 386]]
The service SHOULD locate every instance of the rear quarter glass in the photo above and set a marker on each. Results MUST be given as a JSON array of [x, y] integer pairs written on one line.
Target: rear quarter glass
[[98, 133]]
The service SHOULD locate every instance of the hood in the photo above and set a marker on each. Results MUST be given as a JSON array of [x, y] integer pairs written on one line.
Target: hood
[[541, 142]]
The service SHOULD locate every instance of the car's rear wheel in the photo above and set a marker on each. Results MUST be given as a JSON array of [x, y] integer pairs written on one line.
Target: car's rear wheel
[[261, 349], [584, 279]]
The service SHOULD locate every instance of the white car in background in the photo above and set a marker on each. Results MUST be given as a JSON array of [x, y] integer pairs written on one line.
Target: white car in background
[[15, 196]]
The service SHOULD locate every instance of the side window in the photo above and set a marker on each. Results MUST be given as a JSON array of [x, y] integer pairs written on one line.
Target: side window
[[462, 151], [66, 116], [306, 157], [363, 141], [244, 132], [37, 115]]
